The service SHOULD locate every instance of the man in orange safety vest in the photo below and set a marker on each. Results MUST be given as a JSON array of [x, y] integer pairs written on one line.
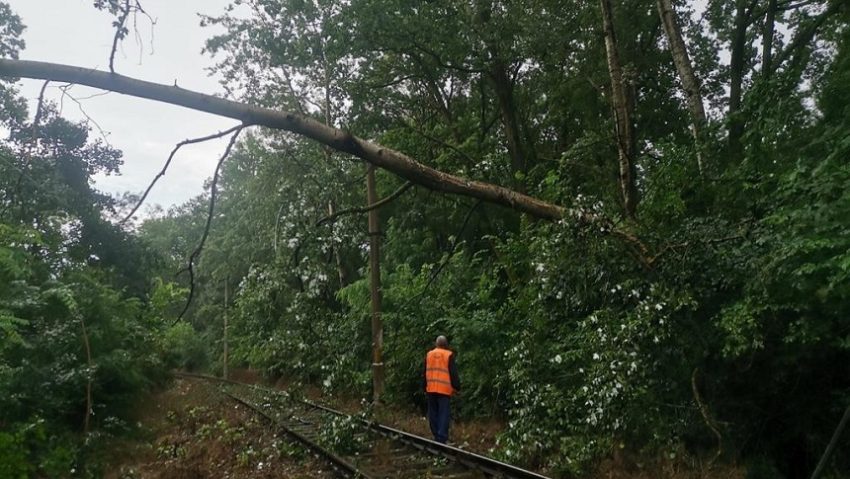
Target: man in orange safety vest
[[440, 381]]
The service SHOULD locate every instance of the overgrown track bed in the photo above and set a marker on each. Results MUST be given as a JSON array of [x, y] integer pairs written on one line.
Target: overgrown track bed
[[360, 448]]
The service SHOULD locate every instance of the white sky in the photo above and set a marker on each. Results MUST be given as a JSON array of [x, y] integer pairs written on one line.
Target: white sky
[[73, 32]]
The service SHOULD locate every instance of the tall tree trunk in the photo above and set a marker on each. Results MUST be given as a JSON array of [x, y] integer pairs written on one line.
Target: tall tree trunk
[[225, 352], [328, 152], [340, 266], [375, 288], [767, 39], [500, 78], [736, 78], [623, 108], [685, 68], [505, 95], [89, 372]]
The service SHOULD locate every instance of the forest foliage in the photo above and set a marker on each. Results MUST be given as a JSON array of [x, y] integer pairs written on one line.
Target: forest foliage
[[712, 322]]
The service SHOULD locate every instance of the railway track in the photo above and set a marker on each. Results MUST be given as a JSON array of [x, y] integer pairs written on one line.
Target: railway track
[[356, 447]]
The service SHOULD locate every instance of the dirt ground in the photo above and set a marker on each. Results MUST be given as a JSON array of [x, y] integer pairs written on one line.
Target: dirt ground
[[478, 435], [192, 432]]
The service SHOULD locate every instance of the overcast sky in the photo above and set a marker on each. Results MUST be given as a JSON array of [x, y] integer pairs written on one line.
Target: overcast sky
[[75, 33]]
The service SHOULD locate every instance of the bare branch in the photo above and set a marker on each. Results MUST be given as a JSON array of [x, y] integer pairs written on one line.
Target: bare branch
[[103, 134], [119, 34], [94, 95], [706, 416], [137, 9], [366, 209], [168, 163], [213, 191]]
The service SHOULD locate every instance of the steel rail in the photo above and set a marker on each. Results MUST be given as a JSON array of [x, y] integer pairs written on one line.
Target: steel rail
[[489, 466], [337, 461], [485, 464]]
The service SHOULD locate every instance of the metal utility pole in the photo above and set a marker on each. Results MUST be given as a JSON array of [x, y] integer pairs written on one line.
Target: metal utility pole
[[375, 288], [224, 368]]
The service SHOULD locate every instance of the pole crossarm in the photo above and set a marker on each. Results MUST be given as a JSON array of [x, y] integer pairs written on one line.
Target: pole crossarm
[[340, 140]]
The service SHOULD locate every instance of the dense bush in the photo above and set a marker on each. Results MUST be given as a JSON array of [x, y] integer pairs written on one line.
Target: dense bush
[[77, 332]]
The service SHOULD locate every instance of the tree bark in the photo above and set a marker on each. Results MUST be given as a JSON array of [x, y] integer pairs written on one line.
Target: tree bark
[[623, 108], [342, 272], [767, 40], [329, 121], [685, 68], [498, 73], [375, 288], [737, 65], [225, 352], [504, 93], [89, 372], [343, 141]]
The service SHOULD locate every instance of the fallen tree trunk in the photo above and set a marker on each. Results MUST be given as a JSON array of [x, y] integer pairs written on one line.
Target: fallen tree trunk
[[343, 141]]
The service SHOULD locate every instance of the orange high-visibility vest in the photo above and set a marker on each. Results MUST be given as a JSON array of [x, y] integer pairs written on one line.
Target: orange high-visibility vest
[[437, 376]]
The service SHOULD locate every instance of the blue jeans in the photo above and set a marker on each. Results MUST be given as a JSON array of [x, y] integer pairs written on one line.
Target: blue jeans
[[439, 416]]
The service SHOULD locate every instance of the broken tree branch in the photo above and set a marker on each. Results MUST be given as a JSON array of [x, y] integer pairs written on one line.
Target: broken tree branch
[[340, 140]]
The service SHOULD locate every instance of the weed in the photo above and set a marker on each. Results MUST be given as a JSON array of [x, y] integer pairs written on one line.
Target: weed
[[341, 435]]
